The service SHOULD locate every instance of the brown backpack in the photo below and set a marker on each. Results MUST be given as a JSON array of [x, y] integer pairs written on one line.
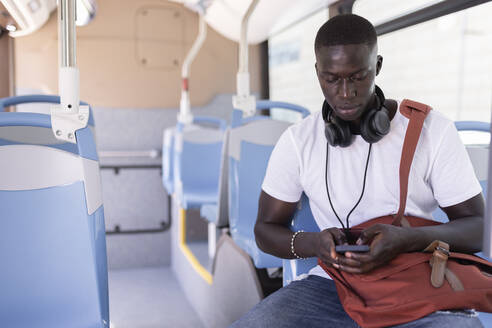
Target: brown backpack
[[416, 284]]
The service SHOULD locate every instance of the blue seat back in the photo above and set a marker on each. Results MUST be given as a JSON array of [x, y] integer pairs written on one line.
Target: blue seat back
[[303, 220], [251, 141], [248, 160], [52, 232], [479, 156], [218, 213], [197, 154]]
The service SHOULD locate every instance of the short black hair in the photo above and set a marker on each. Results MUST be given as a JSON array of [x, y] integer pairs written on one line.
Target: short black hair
[[345, 29]]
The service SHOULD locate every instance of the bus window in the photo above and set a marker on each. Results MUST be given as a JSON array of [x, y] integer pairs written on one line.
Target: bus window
[[380, 11], [291, 66], [444, 62]]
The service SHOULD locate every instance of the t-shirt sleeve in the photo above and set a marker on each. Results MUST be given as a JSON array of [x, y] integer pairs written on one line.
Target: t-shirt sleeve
[[282, 178], [453, 178]]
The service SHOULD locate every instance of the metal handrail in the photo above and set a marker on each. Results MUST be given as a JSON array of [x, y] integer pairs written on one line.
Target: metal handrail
[[472, 126], [153, 153]]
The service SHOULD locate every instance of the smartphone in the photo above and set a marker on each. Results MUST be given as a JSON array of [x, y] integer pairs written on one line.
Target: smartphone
[[352, 248]]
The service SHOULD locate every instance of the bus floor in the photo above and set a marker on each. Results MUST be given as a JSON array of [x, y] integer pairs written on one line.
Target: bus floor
[[148, 298]]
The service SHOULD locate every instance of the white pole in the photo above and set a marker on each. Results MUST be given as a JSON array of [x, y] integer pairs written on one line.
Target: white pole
[[243, 44], [69, 116], [243, 100], [184, 115], [68, 79]]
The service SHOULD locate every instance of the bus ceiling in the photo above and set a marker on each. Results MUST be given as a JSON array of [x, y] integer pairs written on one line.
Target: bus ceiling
[[269, 17], [23, 17]]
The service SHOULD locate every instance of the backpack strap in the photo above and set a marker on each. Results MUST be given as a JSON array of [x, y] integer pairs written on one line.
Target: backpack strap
[[416, 112]]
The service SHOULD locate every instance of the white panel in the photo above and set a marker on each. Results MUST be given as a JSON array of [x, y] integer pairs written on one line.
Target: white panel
[[92, 181], [223, 202], [264, 132], [203, 135], [479, 156], [27, 167], [212, 239], [31, 135], [200, 137]]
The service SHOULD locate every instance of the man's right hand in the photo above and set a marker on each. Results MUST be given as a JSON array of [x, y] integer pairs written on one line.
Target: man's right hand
[[327, 240]]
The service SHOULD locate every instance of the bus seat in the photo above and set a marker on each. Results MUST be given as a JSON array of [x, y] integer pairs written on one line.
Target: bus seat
[[167, 160], [251, 141], [197, 153], [50, 99], [302, 220], [218, 213], [20, 135], [479, 156], [52, 232]]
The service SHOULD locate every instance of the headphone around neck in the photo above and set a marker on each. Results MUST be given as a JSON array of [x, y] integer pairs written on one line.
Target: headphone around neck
[[374, 125]]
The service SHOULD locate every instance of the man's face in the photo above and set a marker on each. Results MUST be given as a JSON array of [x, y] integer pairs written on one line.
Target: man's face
[[346, 75]]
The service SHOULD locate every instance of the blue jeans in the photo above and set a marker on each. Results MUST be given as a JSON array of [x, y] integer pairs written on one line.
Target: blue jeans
[[313, 302]]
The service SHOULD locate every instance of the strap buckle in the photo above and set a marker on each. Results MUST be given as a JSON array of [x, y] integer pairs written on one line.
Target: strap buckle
[[442, 249]]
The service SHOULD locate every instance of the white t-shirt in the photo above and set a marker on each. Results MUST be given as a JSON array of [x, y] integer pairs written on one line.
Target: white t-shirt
[[441, 172]]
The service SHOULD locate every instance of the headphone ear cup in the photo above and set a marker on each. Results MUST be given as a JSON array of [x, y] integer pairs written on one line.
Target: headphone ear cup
[[337, 132], [381, 122], [375, 125], [341, 130], [332, 134]]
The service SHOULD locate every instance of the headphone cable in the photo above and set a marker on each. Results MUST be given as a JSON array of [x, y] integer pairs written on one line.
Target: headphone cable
[[363, 186]]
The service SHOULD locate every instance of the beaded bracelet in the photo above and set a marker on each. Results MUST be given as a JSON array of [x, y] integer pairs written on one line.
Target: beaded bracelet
[[292, 245]]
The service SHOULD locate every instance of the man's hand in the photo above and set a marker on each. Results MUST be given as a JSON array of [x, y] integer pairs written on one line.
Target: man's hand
[[386, 242], [327, 240]]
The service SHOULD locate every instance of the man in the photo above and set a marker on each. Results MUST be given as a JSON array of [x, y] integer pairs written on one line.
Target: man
[[346, 173]]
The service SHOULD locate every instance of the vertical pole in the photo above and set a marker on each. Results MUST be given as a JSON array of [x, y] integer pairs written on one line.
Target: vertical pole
[[11, 56], [340, 7], [68, 117], [243, 49], [4, 65], [67, 33], [184, 115], [265, 74], [243, 44], [68, 79], [243, 99], [487, 224]]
